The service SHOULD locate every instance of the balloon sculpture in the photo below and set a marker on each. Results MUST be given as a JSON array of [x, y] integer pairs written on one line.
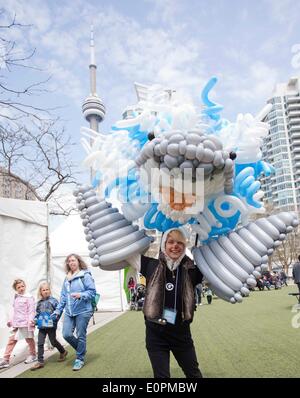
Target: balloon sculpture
[[180, 166]]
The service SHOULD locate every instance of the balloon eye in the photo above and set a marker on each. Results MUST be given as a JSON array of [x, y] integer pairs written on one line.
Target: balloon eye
[[232, 155], [151, 136]]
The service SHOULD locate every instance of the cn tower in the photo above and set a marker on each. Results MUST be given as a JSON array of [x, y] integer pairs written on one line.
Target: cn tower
[[93, 108]]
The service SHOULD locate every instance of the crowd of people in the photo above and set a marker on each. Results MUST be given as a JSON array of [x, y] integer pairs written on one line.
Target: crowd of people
[[272, 280]]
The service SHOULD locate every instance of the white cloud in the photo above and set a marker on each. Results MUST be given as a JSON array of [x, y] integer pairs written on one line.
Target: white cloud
[[166, 11], [128, 49], [253, 86], [65, 81], [160, 48], [236, 54], [62, 45], [284, 12], [34, 12]]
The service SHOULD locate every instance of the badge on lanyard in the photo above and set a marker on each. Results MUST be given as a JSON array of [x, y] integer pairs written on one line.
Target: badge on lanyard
[[169, 315]]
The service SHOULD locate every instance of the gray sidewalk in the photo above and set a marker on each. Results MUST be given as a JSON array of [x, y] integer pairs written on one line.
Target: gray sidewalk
[[101, 318]]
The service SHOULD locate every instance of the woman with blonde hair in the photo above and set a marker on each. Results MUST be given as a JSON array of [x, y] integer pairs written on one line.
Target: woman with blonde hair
[[169, 305], [76, 299]]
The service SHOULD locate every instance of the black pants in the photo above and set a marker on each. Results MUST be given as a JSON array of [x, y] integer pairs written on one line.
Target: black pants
[[51, 332], [298, 284], [209, 299], [163, 339]]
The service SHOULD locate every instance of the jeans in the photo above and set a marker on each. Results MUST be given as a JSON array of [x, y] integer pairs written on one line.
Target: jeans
[[198, 293], [80, 323], [41, 341]]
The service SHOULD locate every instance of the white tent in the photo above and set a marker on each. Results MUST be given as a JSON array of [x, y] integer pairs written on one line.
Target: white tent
[[23, 252], [69, 238]]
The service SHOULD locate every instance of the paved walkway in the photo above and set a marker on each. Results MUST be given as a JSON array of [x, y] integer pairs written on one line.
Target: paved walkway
[[101, 318]]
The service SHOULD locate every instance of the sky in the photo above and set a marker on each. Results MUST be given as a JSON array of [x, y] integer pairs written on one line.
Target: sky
[[180, 44]]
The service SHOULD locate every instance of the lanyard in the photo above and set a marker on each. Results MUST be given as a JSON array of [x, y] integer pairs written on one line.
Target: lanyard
[[176, 288]]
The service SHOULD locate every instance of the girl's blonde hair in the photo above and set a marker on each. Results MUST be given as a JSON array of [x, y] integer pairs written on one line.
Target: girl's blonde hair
[[16, 282], [41, 285], [82, 264], [177, 235]]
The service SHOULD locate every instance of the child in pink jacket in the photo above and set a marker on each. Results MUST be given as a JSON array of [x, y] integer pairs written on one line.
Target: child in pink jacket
[[22, 323]]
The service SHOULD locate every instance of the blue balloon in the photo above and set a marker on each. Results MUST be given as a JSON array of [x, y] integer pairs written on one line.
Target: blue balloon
[[228, 223], [204, 95], [149, 215], [135, 134], [97, 179], [154, 219], [266, 168], [213, 109], [246, 186], [259, 167]]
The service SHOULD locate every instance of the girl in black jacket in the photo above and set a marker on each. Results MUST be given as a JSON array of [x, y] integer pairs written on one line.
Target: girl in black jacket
[[45, 307]]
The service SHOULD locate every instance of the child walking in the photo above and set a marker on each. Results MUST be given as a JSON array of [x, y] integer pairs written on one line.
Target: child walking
[[46, 325], [21, 322]]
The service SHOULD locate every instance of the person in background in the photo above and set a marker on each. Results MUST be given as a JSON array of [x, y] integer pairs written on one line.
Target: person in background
[[283, 278], [276, 280], [266, 281], [76, 299], [198, 293], [45, 307], [21, 322], [131, 287], [209, 295], [296, 273]]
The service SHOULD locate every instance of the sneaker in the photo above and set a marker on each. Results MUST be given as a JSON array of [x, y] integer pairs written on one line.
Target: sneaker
[[38, 365], [4, 364], [62, 356], [78, 364], [30, 359]]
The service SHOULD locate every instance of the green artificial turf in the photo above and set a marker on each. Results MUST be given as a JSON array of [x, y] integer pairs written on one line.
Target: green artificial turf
[[252, 339]]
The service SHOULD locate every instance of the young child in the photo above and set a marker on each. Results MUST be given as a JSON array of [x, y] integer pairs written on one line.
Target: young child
[[21, 322], [45, 307]]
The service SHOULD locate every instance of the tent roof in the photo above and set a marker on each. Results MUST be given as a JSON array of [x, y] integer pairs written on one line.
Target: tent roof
[[31, 211], [69, 238]]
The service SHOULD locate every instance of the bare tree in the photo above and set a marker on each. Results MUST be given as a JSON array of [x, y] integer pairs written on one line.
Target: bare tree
[[14, 101], [39, 157], [34, 147], [287, 252]]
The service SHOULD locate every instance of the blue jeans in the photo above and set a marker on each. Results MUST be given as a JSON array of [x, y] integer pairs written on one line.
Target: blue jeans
[[80, 323]]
